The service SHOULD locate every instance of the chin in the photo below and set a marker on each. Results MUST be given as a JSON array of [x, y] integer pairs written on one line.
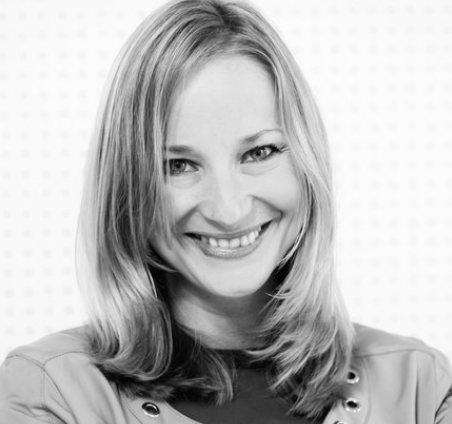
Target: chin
[[236, 281]]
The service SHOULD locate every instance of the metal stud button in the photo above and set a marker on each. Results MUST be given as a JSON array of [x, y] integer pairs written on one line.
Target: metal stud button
[[352, 405], [150, 409], [352, 377]]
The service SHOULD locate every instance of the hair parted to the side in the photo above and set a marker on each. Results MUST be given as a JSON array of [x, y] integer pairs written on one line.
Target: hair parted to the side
[[134, 338]]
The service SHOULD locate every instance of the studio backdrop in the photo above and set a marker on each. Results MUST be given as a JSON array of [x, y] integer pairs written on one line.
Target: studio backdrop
[[381, 72]]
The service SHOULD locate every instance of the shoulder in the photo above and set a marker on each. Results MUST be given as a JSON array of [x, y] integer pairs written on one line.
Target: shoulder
[[72, 342], [58, 356], [399, 373], [371, 341], [379, 347], [372, 344], [53, 376]]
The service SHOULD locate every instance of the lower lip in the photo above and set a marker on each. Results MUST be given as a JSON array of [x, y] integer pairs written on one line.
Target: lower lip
[[240, 252]]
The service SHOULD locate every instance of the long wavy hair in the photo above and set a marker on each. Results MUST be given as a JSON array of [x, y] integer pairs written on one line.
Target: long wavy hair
[[134, 338]]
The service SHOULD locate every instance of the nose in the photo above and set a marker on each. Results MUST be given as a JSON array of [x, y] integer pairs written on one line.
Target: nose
[[227, 201]]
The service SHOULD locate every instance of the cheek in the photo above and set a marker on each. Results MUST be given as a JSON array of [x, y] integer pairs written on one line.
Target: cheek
[[282, 190], [183, 202]]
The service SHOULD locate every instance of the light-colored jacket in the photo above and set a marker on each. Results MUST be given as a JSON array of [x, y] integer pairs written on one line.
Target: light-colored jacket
[[393, 380]]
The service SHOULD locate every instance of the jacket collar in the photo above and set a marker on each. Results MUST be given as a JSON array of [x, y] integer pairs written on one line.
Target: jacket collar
[[353, 409], [355, 405]]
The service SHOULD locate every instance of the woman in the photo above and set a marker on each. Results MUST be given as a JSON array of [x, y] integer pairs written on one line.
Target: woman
[[206, 253]]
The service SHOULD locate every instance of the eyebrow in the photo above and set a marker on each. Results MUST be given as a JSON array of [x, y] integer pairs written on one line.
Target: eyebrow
[[182, 149], [254, 137]]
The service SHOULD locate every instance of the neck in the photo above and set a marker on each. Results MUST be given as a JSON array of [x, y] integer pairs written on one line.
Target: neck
[[220, 322]]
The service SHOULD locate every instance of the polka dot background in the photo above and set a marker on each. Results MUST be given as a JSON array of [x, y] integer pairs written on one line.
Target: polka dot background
[[382, 74]]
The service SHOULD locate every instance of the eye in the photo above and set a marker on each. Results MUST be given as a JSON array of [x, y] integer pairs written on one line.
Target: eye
[[261, 153], [179, 166]]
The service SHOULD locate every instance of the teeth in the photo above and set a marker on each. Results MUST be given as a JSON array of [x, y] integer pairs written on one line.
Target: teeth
[[244, 241], [234, 243], [224, 244]]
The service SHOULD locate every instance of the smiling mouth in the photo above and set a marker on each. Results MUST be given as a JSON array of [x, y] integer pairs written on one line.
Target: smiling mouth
[[230, 246]]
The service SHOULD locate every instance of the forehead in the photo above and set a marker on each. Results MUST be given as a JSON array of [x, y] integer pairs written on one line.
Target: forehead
[[229, 95]]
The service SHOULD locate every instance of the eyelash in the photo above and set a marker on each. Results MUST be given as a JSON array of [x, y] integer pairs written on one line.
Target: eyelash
[[274, 149], [169, 163]]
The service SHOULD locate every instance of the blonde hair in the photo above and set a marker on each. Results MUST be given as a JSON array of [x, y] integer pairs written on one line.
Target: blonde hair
[[134, 338]]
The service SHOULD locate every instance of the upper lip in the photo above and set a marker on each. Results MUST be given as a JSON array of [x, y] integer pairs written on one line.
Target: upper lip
[[227, 236]]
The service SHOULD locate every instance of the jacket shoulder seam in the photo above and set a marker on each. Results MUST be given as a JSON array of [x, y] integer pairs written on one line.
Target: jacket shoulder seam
[[42, 393], [425, 351], [42, 364], [369, 393], [445, 369], [43, 374]]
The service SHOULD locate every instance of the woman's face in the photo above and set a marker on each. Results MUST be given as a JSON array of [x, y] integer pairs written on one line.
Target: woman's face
[[231, 181]]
